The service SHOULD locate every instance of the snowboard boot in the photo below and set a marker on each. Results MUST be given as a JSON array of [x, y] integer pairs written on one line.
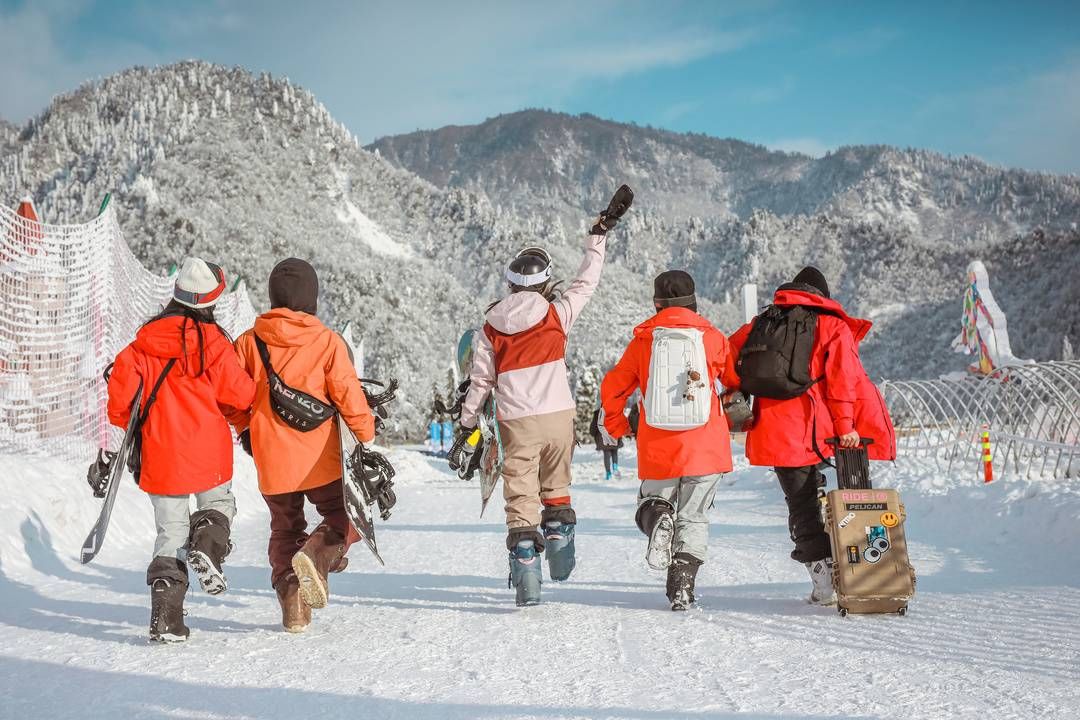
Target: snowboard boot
[[295, 613], [821, 576], [167, 578], [208, 545], [322, 551], [558, 524], [656, 518], [525, 573], [607, 475], [680, 580]]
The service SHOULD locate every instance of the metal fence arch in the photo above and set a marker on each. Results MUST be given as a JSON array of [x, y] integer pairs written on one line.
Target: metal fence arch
[[1032, 412]]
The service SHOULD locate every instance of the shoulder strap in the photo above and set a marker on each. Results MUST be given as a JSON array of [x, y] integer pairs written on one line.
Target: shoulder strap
[[264, 353], [153, 393]]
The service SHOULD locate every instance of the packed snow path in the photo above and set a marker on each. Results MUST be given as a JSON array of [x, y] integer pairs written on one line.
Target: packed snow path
[[993, 631]]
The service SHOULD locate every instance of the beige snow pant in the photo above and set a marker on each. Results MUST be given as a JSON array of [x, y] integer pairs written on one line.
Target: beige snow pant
[[537, 451]]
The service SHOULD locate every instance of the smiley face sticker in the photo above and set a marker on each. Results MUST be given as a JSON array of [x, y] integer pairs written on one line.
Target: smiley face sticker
[[890, 519]]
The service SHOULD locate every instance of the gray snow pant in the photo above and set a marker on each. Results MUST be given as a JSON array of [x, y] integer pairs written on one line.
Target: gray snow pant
[[172, 515], [691, 497]]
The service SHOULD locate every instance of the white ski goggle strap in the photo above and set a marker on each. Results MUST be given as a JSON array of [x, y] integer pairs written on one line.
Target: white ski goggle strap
[[528, 280]]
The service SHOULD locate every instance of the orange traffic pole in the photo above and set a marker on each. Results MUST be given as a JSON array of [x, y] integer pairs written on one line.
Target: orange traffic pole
[[988, 465]]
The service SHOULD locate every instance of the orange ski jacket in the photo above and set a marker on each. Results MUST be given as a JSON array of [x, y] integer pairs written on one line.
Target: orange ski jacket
[[186, 443], [309, 357], [666, 454], [785, 433]]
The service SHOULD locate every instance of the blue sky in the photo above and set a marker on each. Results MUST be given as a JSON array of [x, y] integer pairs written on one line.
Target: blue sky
[[993, 79]]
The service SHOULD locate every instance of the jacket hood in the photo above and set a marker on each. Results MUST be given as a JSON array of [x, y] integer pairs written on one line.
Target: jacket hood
[[786, 298], [518, 312], [161, 338], [283, 327], [673, 317]]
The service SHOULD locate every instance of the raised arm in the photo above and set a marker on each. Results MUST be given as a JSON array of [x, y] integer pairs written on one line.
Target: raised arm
[[584, 284]]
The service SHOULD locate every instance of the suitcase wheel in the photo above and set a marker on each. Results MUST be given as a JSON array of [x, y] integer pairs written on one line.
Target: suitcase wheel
[[902, 611], [843, 611]]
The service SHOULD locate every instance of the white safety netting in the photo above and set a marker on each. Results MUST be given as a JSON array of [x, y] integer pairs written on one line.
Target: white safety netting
[[71, 297]]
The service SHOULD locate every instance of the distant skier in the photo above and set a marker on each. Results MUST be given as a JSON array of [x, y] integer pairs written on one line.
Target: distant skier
[[296, 465], [824, 393], [434, 441], [520, 356], [610, 451], [683, 443], [446, 436], [188, 372]]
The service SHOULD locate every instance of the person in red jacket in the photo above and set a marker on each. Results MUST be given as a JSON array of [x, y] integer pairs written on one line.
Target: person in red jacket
[[187, 448], [791, 434], [678, 468]]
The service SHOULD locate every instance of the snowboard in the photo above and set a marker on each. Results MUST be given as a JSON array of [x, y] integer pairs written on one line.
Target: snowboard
[[491, 452], [357, 503], [118, 465], [491, 461]]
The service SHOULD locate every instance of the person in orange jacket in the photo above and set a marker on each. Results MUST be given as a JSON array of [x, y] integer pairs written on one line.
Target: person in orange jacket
[[295, 466], [791, 434], [680, 457], [186, 445]]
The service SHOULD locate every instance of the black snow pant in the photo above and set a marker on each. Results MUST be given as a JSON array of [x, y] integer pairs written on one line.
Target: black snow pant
[[800, 486], [610, 456]]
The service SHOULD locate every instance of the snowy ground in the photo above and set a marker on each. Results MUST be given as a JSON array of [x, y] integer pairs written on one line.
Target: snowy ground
[[994, 630]]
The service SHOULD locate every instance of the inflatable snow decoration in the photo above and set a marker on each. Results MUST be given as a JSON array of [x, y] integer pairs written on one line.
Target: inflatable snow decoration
[[983, 326]]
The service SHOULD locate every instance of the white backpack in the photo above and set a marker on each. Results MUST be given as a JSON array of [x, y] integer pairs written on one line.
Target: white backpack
[[679, 395]]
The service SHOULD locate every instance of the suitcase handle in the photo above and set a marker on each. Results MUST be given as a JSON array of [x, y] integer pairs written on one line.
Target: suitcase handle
[[852, 465], [863, 441]]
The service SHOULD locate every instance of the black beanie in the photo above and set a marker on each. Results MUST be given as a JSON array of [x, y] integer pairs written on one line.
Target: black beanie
[[294, 285], [674, 288], [811, 276]]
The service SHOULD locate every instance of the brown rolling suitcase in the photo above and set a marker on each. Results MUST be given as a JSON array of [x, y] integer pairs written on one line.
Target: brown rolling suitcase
[[871, 570]]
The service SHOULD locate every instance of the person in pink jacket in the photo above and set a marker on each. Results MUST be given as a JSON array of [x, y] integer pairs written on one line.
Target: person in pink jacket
[[520, 357]]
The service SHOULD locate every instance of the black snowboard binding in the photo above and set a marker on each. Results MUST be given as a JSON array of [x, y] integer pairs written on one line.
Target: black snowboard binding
[[374, 475], [682, 572], [609, 218], [99, 472], [378, 401]]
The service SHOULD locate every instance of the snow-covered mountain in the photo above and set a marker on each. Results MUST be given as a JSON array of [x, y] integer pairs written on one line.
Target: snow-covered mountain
[[894, 228], [410, 242]]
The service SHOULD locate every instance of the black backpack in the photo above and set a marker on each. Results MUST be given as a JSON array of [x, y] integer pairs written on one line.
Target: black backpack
[[775, 359]]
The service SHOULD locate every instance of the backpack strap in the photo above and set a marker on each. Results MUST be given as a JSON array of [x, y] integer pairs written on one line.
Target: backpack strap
[[153, 393]]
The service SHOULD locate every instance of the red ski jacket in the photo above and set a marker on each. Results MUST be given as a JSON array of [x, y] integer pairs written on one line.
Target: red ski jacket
[[785, 433], [666, 454], [186, 443]]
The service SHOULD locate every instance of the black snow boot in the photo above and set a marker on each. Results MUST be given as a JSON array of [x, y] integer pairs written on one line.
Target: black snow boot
[[680, 580], [167, 578], [208, 545]]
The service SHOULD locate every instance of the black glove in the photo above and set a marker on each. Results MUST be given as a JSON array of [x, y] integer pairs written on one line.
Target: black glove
[[620, 203], [458, 454], [245, 441], [97, 475]]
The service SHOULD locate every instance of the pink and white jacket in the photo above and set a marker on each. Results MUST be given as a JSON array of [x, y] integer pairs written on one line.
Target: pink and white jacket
[[520, 355]]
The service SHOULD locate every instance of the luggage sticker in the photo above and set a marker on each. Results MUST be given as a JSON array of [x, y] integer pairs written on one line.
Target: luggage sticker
[[877, 538], [845, 520], [853, 554], [890, 519]]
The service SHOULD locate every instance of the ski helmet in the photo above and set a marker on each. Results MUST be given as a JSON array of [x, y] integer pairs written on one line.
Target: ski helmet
[[529, 270]]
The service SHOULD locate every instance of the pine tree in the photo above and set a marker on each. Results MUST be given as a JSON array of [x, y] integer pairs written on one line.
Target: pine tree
[[587, 399]]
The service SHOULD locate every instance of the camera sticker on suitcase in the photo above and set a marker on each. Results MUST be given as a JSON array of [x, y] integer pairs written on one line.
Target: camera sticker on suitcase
[[877, 543]]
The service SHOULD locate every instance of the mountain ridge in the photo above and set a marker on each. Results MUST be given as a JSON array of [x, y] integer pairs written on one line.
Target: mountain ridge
[[247, 169]]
